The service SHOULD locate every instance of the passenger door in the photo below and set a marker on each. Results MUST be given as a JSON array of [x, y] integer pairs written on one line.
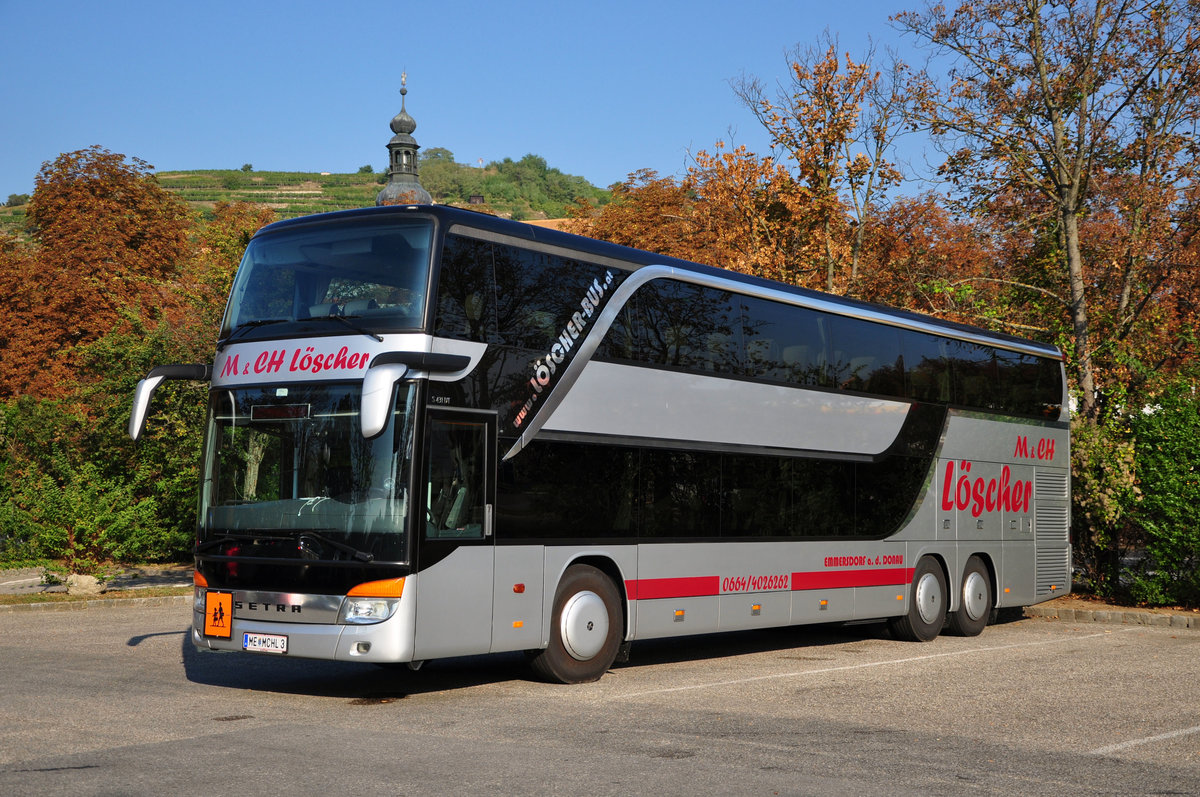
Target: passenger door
[[456, 553]]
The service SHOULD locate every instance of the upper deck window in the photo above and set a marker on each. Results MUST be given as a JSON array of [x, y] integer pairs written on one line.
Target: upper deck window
[[298, 280]]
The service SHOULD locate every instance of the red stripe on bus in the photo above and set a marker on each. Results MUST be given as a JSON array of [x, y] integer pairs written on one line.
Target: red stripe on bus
[[701, 586], [839, 579], [686, 587]]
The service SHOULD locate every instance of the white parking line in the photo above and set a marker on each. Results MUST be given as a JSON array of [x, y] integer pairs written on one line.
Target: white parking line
[[1162, 737], [20, 581], [867, 665]]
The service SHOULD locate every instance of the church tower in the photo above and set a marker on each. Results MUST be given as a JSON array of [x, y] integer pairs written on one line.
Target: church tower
[[403, 187]]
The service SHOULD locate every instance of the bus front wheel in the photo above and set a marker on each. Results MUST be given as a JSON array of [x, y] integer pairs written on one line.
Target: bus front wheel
[[926, 605], [586, 628]]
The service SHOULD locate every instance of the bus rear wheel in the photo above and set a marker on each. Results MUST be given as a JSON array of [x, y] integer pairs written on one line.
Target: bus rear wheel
[[926, 605], [975, 601], [586, 628]]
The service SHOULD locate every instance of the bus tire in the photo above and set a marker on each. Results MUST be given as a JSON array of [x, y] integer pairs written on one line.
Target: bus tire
[[975, 600], [586, 628], [926, 605]]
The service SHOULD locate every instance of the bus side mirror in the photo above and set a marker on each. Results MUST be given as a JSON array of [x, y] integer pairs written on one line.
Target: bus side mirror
[[378, 384], [389, 368], [147, 386]]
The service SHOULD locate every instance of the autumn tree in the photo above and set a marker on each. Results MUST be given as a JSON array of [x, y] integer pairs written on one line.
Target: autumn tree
[[107, 239], [919, 256], [800, 216], [837, 120], [647, 211], [1049, 99], [221, 242], [759, 219], [733, 209]]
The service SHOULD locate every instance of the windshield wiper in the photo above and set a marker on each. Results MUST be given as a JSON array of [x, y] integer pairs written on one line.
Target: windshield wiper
[[240, 329], [345, 319], [275, 535], [361, 556], [201, 547]]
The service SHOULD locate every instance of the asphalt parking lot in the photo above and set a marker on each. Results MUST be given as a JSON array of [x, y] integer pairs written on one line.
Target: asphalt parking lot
[[113, 700]]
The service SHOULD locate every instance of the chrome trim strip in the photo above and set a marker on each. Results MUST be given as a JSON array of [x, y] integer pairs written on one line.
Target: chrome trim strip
[[539, 246], [286, 607]]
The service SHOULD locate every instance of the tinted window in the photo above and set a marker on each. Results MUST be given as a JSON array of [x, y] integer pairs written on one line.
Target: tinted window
[[885, 492], [866, 357], [926, 369], [456, 487], [620, 342], [466, 297], [296, 278], [537, 294], [681, 492], [686, 326], [975, 375], [760, 497], [786, 343], [567, 490], [556, 490], [496, 293], [1031, 385], [787, 497]]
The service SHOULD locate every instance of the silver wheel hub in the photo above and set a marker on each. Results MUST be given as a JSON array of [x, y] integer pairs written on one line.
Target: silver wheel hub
[[929, 598], [584, 625], [975, 597]]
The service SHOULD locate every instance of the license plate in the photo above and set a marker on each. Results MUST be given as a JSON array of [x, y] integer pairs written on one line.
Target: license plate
[[264, 643]]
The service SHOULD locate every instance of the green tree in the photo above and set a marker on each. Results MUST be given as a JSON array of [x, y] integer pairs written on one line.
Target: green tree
[[1167, 437], [436, 154], [1104, 498]]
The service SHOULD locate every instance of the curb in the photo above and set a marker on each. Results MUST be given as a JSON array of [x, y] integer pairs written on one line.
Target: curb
[[98, 603], [1116, 616]]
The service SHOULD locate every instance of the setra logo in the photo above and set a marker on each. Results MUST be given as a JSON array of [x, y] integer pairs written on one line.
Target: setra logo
[[262, 606]]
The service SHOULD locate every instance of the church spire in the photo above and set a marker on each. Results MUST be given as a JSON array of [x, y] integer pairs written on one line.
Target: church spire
[[403, 186]]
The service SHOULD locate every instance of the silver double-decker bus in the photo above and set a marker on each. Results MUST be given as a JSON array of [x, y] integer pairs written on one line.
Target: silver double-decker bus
[[435, 433]]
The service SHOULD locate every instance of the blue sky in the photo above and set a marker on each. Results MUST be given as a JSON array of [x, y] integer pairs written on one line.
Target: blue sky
[[598, 89]]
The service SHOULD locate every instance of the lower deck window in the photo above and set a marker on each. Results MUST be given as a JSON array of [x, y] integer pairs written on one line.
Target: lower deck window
[[554, 490]]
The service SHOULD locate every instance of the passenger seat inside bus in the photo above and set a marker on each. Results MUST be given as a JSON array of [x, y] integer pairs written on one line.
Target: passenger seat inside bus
[[324, 310], [360, 306]]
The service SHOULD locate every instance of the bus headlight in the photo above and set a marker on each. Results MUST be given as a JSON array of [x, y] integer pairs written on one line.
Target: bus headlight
[[364, 611]]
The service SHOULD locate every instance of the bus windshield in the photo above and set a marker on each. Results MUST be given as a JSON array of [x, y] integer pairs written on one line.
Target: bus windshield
[[299, 279], [290, 475]]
